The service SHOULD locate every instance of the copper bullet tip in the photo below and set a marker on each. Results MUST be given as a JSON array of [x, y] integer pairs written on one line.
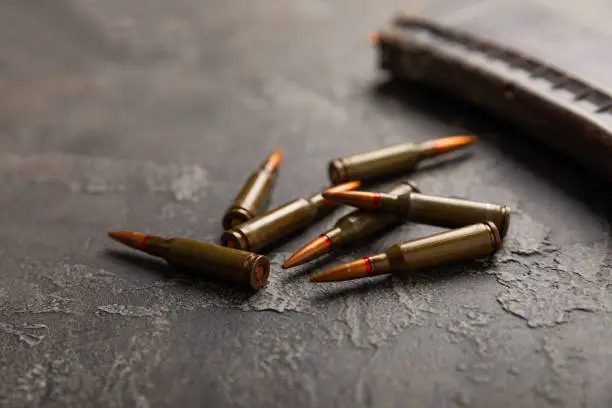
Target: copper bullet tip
[[374, 38], [360, 199], [308, 252], [446, 144], [360, 268], [351, 185], [134, 240], [274, 160]]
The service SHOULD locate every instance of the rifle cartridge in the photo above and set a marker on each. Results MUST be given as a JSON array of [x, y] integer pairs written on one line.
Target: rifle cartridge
[[427, 209], [470, 242], [392, 160], [266, 229], [349, 228], [203, 258], [254, 195]]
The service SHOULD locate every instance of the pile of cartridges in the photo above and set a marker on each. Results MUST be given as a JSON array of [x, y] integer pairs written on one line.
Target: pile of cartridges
[[475, 229]]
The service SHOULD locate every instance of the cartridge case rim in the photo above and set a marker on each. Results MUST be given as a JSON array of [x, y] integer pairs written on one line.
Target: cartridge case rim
[[235, 239], [259, 271], [337, 172], [495, 236], [233, 213], [505, 220]]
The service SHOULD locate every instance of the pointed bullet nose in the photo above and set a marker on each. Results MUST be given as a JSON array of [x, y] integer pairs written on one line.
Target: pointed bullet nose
[[374, 38], [291, 262], [274, 160], [351, 185], [447, 144], [308, 252], [360, 268], [337, 273], [134, 240]]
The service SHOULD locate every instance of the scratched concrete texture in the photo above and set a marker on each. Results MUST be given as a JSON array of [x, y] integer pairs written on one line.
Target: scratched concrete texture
[[148, 116]]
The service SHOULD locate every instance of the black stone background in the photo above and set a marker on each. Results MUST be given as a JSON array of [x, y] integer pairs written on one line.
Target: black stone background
[[148, 115]]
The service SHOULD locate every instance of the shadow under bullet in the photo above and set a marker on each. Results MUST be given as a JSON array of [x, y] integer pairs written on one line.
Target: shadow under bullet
[[183, 277], [308, 268]]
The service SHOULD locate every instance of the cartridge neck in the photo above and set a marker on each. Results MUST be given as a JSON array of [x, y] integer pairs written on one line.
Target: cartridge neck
[[395, 204], [269, 168], [157, 246], [334, 235], [428, 150], [322, 205], [405, 186], [379, 263]]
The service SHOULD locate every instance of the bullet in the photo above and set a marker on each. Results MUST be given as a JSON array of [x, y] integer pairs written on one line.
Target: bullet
[[471, 242], [374, 38], [266, 229], [255, 193], [426, 209], [349, 228], [207, 259], [393, 159]]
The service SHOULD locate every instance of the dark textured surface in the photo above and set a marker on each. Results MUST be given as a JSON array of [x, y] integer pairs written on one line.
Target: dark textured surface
[[149, 115]]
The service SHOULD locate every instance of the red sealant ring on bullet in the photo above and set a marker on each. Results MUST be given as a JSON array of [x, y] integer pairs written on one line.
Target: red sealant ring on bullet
[[368, 265], [327, 240], [144, 241], [375, 200]]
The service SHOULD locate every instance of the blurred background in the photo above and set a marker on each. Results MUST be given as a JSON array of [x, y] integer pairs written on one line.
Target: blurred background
[[148, 116]]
